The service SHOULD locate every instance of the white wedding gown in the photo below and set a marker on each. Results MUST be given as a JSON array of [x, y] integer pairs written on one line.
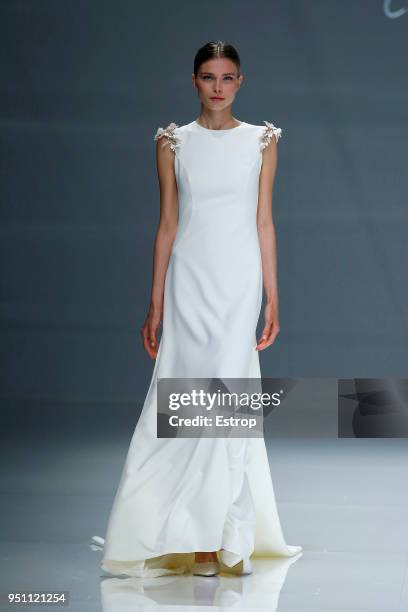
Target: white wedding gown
[[177, 496]]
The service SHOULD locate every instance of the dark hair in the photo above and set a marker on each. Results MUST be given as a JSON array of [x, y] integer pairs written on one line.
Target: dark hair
[[213, 50]]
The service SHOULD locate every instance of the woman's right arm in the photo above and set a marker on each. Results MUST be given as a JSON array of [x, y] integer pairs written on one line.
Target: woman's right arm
[[165, 235]]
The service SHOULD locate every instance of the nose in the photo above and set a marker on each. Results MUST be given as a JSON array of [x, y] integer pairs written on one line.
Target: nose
[[217, 87]]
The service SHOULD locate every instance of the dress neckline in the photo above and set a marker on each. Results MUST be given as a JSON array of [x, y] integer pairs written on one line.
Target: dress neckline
[[218, 131]]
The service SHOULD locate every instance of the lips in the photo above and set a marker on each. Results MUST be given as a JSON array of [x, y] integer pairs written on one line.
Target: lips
[[216, 98]]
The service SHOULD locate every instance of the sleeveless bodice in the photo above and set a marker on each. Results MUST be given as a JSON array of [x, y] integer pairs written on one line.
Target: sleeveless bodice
[[217, 174]]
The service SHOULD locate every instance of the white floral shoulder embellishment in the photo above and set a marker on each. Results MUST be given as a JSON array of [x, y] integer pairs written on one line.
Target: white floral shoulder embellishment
[[268, 131], [171, 138]]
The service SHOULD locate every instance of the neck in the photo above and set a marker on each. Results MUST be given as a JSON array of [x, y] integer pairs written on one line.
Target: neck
[[217, 121]]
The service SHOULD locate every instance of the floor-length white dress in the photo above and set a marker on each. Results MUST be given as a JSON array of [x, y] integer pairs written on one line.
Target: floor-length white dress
[[181, 495]]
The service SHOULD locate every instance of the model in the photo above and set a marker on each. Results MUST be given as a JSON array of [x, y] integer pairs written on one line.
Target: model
[[205, 504]]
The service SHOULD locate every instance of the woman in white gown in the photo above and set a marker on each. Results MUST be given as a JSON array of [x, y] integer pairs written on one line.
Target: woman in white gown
[[204, 503]]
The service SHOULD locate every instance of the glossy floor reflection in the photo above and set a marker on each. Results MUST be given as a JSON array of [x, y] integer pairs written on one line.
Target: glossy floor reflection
[[260, 590], [345, 501]]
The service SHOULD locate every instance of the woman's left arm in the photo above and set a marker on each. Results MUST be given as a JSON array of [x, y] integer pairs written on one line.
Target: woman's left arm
[[267, 242]]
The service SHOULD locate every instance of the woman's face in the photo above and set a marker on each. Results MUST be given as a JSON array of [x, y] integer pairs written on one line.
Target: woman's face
[[217, 83]]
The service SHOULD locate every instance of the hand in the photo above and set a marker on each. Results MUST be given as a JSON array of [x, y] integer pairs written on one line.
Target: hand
[[149, 331], [271, 327]]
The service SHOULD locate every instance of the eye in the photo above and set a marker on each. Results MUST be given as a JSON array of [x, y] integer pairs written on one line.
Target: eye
[[207, 77]]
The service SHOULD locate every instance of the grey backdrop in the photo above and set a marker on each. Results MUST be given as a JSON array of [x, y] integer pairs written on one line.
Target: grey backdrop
[[85, 86]]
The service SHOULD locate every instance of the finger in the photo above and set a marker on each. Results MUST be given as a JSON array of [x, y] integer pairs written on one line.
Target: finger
[[146, 341], [271, 339], [268, 339], [151, 350], [144, 334], [152, 335], [262, 343], [265, 334], [154, 341]]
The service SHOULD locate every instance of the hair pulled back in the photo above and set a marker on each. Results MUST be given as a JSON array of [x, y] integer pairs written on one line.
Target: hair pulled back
[[215, 49]]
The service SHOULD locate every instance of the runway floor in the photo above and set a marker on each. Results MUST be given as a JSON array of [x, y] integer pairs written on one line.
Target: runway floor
[[344, 500]]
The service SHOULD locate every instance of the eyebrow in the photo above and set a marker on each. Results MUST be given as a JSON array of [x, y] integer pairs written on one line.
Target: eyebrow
[[224, 73]]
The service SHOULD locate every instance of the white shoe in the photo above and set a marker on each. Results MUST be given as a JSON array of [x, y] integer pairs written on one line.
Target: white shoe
[[230, 560], [208, 568]]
